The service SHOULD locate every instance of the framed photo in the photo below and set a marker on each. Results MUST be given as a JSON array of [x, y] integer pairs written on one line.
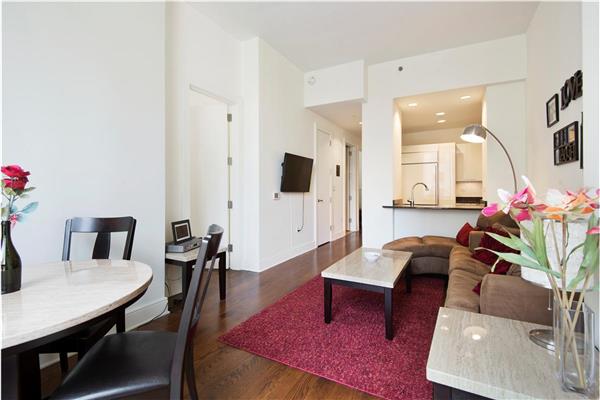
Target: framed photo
[[182, 231], [552, 110]]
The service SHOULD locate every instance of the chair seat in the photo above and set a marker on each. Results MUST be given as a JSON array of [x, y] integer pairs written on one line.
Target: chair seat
[[121, 365]]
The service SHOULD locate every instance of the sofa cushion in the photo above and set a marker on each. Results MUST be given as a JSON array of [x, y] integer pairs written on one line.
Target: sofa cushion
[[501, 218], [429, 265], [439, 246], [410, 243], [489, 243], [460, 294], [462, 237], [460, 259]]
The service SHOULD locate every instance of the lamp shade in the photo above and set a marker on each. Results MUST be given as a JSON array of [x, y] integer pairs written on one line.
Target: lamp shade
[[577, 234], [474, 134]]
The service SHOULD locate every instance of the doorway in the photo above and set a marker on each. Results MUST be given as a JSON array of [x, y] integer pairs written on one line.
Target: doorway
[[351, 188], [209, 152], [323, 164]]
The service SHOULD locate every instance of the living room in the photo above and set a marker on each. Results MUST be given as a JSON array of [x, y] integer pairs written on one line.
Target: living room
[[193, 112]]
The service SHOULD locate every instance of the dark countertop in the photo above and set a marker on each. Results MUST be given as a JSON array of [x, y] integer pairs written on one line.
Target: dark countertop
[[475, 207]]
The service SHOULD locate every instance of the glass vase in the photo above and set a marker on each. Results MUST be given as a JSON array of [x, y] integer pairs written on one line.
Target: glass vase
[[575, 353], [11, 262]]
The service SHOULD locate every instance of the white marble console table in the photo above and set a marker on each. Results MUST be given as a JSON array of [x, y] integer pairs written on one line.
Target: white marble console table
[[490, 357]]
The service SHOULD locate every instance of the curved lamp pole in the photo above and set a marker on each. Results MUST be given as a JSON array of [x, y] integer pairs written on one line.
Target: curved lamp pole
[[477, 134]]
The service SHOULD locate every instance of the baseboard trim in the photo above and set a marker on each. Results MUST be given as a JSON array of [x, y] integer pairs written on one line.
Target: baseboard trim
[[135, 317], [277, 259]]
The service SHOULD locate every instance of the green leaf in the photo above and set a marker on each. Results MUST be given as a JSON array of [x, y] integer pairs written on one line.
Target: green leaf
[[581, 274], [29, 189], [29, 208], [524, 262], [539, 242], [514, 242], [9, 191]]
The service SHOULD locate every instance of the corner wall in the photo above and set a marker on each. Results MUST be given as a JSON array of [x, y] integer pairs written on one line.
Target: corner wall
[[554, 53], [84, 111], [502, 60]]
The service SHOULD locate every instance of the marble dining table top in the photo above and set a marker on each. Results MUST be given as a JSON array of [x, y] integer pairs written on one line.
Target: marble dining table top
[[59, 295]]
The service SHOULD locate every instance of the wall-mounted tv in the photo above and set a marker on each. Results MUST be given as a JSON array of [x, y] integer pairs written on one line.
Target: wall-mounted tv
[[296, 173]]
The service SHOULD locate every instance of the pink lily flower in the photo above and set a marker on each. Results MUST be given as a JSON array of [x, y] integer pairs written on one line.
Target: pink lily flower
[[594, 231]]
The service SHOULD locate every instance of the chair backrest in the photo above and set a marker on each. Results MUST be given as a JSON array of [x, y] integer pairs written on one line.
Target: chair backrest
[[193, 305], [103, 227]]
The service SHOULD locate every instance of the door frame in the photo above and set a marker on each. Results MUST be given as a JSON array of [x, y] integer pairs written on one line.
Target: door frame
[[317, 129], [352, 166], [232, 109]]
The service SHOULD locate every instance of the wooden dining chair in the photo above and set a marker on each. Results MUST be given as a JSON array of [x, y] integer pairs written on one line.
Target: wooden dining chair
[[81, 341], [147, 364]]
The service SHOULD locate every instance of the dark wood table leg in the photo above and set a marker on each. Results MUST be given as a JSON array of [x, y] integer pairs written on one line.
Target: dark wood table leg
[[121, 321], [408, 278], [21, 376], [327, 303], [186, 277], [441, 392], [389, 323], [222, 271]]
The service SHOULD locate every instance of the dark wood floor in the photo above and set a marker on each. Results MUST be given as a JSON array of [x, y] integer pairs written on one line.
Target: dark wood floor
[[224, 372]]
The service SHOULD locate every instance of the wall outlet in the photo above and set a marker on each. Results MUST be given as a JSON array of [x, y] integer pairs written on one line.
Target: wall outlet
[[276, 196]]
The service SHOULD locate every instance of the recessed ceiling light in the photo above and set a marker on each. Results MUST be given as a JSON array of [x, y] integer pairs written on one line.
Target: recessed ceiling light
[[439, 114], [413, 104], [467, 97], [360, 123], [441, 121]]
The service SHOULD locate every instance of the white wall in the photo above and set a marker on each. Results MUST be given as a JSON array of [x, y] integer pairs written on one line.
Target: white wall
[[498, 61], [345, 82], [589, 23], [450, 135], [275, 122], [554, 53], [397, 142], [506, 118], [199, 53], [83, 106]]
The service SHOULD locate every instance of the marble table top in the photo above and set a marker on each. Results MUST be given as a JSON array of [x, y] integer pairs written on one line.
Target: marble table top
[[383, 272], [191, 255], [56, 296], [492, 357]]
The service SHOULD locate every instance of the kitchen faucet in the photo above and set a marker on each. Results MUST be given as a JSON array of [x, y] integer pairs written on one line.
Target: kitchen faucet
[[412, 193]]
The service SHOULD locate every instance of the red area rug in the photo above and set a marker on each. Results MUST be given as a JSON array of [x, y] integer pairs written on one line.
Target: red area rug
[[352, 350]]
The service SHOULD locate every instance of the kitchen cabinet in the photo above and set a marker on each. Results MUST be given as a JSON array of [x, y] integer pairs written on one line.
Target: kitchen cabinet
[[469, 162]]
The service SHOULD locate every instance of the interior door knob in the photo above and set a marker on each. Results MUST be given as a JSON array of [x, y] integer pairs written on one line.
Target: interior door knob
[[319, 200]]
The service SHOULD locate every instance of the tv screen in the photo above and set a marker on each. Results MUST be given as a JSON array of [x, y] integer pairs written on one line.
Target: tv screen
[[296, 173]]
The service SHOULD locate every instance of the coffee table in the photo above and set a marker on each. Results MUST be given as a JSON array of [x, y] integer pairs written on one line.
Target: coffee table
[[379, 276]]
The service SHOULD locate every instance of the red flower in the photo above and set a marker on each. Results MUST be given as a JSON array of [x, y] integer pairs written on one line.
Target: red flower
[[16, 183], [14, 171]]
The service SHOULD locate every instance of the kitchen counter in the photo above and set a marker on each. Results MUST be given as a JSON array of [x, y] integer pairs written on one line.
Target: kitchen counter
[[477, 207]]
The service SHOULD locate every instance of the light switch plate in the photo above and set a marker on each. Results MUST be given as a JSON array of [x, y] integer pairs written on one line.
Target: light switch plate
[[276, 195]]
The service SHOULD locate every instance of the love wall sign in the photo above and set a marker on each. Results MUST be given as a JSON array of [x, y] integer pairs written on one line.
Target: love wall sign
[[566, 140], [571, 90]]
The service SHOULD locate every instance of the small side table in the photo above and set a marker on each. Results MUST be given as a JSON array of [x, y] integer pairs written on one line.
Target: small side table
[[475, 356], [187, 261]]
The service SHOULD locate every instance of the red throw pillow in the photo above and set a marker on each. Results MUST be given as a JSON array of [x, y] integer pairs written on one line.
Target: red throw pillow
[[462, 237], [489, 258]]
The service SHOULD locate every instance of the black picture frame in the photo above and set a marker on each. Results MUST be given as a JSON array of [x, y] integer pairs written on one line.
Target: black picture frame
[[552, 108], [177, 239], [566, 144]]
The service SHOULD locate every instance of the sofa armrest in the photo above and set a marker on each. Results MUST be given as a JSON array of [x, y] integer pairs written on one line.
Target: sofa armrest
[[474, 239], [514, 298]]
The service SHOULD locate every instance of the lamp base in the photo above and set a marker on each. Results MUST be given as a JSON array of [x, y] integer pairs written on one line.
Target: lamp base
[[543, 338]]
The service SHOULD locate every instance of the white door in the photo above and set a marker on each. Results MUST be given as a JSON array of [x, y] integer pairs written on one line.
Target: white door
[[209, 175], [352, 186], [323, 164]]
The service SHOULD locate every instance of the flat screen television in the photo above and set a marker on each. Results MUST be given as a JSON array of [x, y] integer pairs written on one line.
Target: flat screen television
[[296, 173]]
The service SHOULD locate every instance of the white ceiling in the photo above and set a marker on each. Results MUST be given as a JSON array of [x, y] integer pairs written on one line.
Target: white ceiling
[[315, 35], [458, 113], [347, 114]]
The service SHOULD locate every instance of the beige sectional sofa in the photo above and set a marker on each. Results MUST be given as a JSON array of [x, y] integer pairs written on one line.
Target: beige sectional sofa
[[507, 296]]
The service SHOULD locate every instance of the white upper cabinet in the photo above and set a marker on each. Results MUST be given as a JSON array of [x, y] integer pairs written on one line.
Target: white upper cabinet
[[468, 162]]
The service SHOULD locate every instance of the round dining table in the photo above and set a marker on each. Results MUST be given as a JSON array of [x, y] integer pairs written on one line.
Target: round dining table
[[56, 300]]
